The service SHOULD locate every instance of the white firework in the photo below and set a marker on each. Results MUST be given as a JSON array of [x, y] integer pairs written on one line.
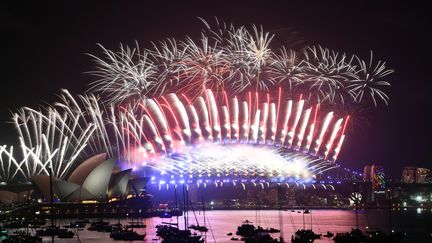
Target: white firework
[[51, 138], [10, 168], [128, 73], [205, 68], [285, 70], [169, 59], [326, 73], [369, 81], [235, 59]]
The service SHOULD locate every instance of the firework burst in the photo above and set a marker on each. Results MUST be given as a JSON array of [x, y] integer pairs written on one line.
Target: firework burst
[[184, 106], [236, 60], [369, 81], [125, 74]]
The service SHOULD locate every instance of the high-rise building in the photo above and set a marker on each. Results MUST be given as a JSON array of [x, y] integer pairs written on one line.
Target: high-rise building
[[367, 169], [409, 174], [412, 174], [422, 174], [375, 174]]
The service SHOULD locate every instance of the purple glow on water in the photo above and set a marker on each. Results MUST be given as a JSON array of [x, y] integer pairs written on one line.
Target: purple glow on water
[[221, 222]]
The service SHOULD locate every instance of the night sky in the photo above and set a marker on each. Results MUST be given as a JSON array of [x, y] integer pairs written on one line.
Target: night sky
[[43, 49]]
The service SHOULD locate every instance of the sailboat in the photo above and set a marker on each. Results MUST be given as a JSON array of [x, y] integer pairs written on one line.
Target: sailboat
[[138, 224], [305, 235], [53, 230], [170, 233], [198, 227], [356, 235], [258, 234]]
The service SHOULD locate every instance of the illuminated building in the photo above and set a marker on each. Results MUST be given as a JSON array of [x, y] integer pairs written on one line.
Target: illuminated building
[[412, 174], [375, 174]]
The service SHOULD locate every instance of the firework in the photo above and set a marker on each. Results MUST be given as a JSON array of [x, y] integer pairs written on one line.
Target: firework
[[237, 161], [237, 60], [10, 168], [52, 138], [127, 73], [225, 104], [180, 134], [370, 78]]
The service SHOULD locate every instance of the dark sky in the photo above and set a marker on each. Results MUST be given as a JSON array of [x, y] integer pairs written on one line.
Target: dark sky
[[43, 46]]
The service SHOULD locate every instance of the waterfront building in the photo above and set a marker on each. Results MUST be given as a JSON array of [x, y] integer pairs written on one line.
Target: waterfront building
[[375, 174], [411, 174]]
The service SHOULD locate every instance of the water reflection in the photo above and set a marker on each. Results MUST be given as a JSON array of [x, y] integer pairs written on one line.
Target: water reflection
[[225, 221]]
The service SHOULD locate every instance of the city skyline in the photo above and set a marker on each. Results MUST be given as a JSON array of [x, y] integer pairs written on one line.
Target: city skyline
[[54, 57]]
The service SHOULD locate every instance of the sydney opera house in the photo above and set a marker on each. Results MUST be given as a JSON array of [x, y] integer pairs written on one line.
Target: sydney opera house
[[95, 180]]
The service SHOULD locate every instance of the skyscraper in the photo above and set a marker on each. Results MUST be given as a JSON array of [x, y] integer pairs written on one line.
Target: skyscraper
[[412, 174], [375, 174]]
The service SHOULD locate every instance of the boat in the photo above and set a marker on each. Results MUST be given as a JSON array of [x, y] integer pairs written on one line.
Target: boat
[[246, 229], [260, 229], [128, 235], [272, 230], [189, 239], [173, 234], [251, 234], [48, 231], [354, 236], [260, 238], [64, 233], [328, 234], [22, 238], [99, 226], [198, 227], [13, 225], [304, 235], [229, 234], [170, 233], [234, 238]]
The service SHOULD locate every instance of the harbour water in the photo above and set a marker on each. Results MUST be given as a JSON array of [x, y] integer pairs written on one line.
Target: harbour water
[[417, 224]]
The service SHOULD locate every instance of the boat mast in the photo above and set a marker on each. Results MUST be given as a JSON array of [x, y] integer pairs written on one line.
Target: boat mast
[[304, 226], [51, 203], [310, 212], [193, 211], [176, 205], [184, 207], [280, 213], [203, 206], [390, 211], [356, 202]]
